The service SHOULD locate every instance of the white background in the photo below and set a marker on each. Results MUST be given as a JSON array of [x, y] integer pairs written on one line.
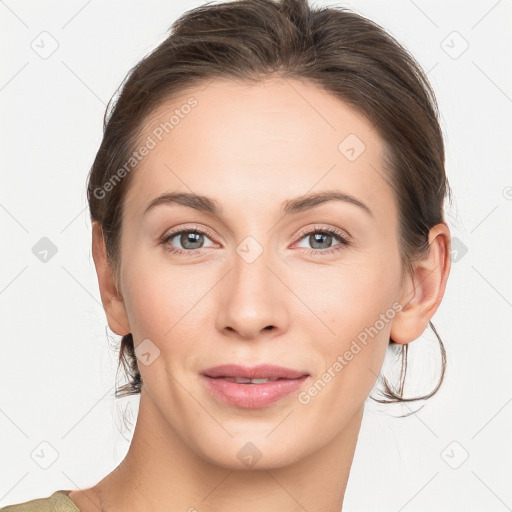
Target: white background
[[57, 362]]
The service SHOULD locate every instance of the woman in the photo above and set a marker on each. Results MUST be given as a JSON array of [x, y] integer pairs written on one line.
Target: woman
[[267, 210]]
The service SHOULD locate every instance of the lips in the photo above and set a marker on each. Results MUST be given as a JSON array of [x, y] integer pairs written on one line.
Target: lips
[[262, 371], [252, 387]]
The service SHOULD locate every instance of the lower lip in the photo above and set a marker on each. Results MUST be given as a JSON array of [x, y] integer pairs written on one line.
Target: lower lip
[[252, 396]]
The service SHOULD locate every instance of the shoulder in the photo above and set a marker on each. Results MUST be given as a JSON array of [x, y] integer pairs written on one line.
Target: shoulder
[[59, 501]]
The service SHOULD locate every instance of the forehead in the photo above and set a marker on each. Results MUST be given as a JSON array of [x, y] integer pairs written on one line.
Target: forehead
[[239, 143]]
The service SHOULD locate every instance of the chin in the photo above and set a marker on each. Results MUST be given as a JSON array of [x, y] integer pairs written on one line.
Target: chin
[[248, 451]]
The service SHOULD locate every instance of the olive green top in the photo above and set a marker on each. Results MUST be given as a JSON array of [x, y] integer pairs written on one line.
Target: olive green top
[[59, 501]]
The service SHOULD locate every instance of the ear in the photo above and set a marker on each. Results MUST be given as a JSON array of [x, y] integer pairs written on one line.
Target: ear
[[112, 300], [424, 290]]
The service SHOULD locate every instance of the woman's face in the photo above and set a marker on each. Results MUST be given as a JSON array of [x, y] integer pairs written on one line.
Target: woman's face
[[256, 285]]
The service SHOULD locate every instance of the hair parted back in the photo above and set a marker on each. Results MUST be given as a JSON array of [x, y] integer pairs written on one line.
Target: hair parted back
[[334, 48]]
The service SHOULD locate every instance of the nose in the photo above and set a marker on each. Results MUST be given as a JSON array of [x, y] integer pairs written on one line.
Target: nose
[[253, 299]]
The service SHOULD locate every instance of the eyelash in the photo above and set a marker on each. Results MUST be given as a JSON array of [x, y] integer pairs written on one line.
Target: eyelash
[[344, 241]]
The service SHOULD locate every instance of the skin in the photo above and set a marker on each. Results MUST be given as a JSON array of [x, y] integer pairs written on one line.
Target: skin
[[251, 147]]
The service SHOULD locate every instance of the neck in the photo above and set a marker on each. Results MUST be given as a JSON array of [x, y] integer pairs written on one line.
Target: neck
[[161, 473]]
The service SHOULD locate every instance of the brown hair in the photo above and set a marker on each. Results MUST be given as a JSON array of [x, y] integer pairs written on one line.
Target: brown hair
[[335, 48]]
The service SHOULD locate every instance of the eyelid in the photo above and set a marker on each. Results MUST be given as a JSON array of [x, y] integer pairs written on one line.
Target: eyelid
[[300, 234], [184, 227], [344, 238], [311, 229]]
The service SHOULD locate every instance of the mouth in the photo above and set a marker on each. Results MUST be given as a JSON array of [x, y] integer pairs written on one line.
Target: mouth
[[243, 380], [252, 387], [253, 373]]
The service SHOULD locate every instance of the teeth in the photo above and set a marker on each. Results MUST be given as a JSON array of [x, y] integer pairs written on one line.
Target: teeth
[[262, 381], [243, 380]]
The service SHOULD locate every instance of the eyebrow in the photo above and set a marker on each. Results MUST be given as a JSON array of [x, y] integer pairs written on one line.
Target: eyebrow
[[288, 207]]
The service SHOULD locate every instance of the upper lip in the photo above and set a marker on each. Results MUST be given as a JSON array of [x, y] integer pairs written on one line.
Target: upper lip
[[260, 371]]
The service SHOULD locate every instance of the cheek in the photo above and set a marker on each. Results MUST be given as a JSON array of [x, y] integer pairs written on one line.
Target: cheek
[[160, 297], [351, 351], [162, 306], [352, 295], [354, 307], [357, 313]]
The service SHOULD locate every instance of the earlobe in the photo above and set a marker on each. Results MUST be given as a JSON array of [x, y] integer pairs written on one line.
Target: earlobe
[[424, 290], [112, 300]]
